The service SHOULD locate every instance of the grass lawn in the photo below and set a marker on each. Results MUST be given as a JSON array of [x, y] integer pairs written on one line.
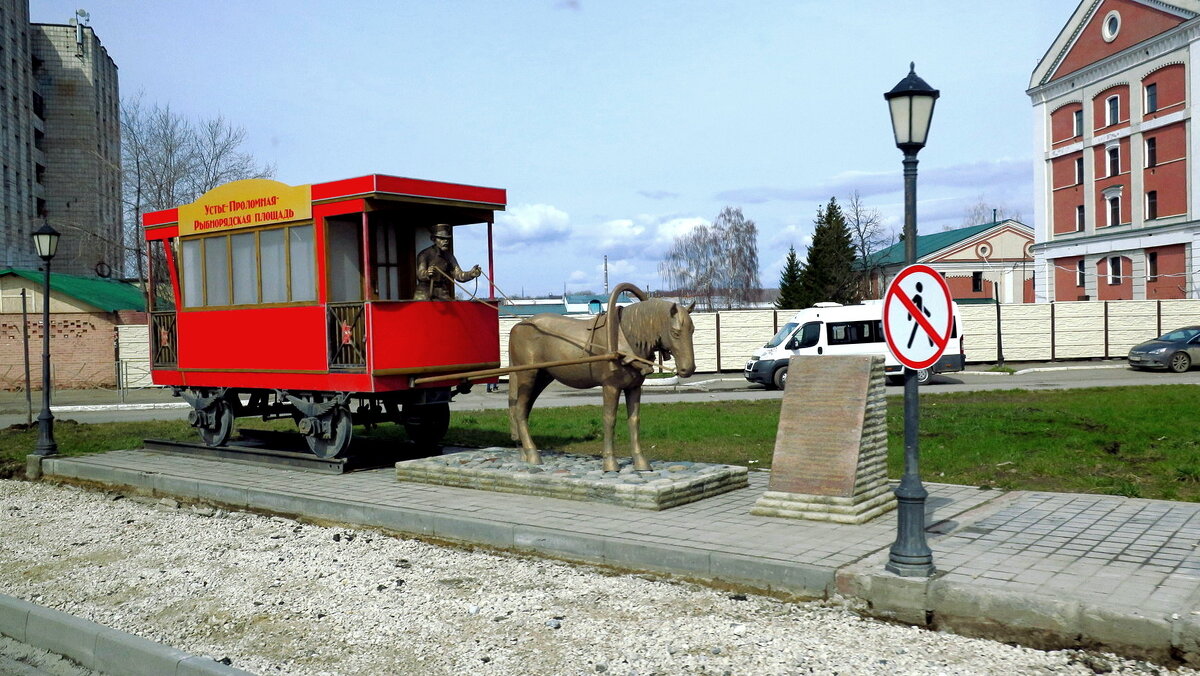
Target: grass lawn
[[1134, 441]]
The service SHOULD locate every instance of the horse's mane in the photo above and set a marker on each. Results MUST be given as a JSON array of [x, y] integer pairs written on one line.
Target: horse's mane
[[644, 325]]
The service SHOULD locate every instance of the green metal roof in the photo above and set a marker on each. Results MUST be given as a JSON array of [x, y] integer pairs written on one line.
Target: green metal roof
[[928, 244], [103, 294]]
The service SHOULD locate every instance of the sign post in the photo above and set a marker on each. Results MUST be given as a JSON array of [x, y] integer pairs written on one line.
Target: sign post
[[918, 318]]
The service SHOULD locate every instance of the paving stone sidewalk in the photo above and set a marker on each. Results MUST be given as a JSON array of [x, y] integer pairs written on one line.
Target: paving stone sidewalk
[[1044, 569]]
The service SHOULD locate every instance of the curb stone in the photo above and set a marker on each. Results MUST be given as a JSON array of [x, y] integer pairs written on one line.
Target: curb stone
[[97, 647]]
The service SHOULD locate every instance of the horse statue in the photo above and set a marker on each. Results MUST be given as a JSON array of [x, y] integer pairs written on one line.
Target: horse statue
[[615, 351]]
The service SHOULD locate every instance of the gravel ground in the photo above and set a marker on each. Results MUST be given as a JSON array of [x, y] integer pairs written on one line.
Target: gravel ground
[[277, 596]]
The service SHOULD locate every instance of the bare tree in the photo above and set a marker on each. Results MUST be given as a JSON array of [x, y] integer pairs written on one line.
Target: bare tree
[[867, 234], [718, 264], [983, 211], [170, 160]]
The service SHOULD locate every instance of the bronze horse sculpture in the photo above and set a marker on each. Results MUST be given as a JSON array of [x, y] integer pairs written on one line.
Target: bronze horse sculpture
[[615, 351]]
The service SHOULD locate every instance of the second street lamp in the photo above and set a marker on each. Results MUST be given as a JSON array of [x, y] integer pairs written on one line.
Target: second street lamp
[[911, 105], [45, 240]]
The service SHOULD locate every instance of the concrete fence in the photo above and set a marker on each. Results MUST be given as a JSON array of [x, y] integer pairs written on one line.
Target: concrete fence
[[1027, 332]]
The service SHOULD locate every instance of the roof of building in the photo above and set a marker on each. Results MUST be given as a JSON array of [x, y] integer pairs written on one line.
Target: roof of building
[[107, 295], [928, 244]]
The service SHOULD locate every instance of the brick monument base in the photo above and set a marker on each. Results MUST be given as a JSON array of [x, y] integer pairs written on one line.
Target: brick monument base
[[830, 460]]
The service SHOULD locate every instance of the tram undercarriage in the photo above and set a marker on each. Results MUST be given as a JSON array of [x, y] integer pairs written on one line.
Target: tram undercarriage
[[325, 419]]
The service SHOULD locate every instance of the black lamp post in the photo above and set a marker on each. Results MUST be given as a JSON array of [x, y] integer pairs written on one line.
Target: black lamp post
[[911, 103], [45, 240]]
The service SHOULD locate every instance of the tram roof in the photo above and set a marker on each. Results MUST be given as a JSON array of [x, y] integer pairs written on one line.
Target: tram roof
[[384, 187]]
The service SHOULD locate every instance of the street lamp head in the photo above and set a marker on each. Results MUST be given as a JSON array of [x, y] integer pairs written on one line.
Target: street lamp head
[[45, 240], [911, 103]]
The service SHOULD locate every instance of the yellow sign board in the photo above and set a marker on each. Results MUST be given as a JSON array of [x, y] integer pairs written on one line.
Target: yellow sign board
[[245, 204]]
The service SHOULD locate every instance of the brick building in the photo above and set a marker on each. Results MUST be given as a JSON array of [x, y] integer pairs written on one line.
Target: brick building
[[59, 142], [985, 262], [1117, 215], [85, 312]]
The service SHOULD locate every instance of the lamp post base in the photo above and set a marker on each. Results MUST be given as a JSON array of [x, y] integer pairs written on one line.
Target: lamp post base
[[910, 556], [45, 442]]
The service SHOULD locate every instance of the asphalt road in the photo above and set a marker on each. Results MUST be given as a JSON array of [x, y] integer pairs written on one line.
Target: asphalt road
[[704, 387]]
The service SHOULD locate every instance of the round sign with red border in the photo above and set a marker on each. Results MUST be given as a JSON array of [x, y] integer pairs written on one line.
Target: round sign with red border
[[918, 316]]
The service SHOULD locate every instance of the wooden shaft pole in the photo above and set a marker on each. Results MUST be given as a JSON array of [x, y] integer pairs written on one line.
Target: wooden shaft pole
[[488, 373]]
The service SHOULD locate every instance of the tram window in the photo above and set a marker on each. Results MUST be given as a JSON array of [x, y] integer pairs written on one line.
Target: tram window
[[216, 271], [245, 269], [303, 263], [193, 274], [386, 260], [345, 260], [274, 266], [162, 297]]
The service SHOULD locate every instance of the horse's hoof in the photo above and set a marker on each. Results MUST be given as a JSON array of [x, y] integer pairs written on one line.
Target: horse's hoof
[[611, 466], [642, 465]]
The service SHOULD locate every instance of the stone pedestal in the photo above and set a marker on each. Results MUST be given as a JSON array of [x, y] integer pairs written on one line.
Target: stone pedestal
[[830, 461], [576, 477]]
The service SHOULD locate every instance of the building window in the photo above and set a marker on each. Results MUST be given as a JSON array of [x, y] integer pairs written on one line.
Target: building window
[[1080, 277], [1152, 266], [1079, 218], [1114, 160], [1079, 170], [1151, 152], [976, 282], [1114, 210], [1114, 270], [1151, 205], [1111, 26], [1151, 98], [1112, 111], [1077, 122]]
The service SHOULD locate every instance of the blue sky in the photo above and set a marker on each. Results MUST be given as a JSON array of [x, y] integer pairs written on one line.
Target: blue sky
[[614, 125]]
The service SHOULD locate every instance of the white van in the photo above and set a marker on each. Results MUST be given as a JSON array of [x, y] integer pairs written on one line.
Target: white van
[[832, 329]]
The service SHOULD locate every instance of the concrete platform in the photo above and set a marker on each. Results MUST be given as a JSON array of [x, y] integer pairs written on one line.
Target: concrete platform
[[1043, 569]]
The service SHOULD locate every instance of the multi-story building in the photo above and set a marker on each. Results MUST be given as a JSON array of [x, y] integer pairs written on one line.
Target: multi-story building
[[60, 152], [1117, 209]]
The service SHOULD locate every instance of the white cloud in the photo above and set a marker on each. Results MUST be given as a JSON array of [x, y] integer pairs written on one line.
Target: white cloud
[[532, 224]]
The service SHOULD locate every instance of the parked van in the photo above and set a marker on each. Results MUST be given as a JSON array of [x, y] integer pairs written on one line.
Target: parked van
[[835, 329]]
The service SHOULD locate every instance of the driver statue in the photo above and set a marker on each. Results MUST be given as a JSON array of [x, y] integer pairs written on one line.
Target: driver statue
[[436, 266]]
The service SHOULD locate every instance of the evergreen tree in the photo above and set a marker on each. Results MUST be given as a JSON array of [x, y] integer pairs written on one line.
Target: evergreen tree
[[828, 273], [789, 283]]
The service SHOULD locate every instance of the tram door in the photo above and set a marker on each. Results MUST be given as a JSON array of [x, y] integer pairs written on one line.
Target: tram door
[[163, 348], [344, 276]]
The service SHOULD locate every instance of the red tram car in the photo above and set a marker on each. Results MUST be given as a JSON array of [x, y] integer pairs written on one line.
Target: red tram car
[[297, 301]]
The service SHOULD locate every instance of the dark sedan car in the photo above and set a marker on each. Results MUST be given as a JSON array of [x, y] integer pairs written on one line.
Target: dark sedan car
[[1175, 350]]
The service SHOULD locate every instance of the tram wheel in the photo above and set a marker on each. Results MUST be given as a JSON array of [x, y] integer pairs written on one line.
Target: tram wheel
[[222, 427], [341, 429], [426, 424]]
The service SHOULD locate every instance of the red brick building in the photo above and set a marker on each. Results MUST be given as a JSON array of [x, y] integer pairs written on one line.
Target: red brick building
[[1115, 212], [84, 314]]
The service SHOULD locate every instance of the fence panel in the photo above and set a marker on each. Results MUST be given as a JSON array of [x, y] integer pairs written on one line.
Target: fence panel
[[133, 355], [1078, 330], [1026, 331], [1176, 313], [1129, 323], [979, 332], [743, 332]]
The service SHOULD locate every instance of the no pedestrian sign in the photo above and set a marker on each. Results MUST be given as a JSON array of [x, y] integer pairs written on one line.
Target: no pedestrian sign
[[917, 316]]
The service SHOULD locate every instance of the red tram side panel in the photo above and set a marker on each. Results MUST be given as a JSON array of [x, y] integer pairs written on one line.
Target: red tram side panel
[[293, 301]]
